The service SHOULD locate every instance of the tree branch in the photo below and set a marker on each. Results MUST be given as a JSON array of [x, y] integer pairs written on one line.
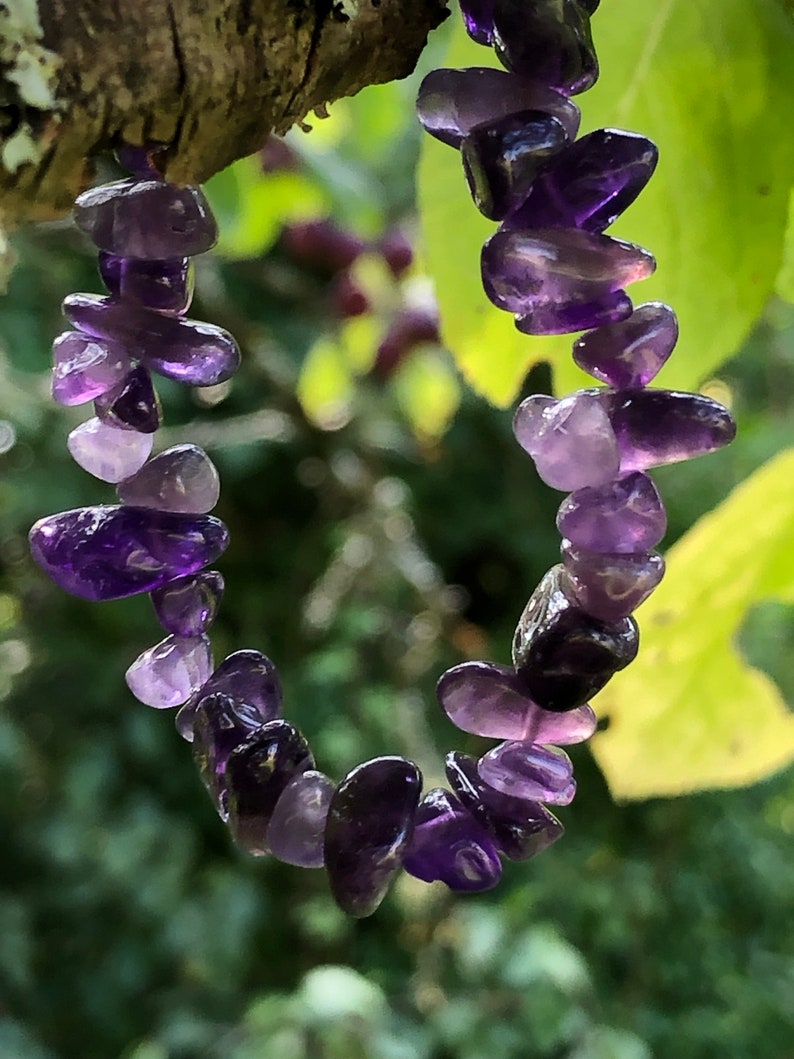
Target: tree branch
[[211, 78]]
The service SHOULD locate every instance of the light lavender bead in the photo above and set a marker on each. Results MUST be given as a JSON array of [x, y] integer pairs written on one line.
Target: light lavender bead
[[491, 700], [106, 452], [297, 826], [181, 479], [525, 770], [85, 367], [167, 674], [571, 441]]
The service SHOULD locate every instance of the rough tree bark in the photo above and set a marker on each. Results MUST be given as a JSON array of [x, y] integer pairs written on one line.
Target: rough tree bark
[[211, 78]]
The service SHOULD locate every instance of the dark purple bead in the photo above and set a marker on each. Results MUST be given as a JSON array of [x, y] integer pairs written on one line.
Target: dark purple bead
[[189, 351], [147, 219], [492, 701], [520, 828], [107, 552], [451, 102], [220, 724], [629, 354], [655, 427], [564, 655], [133, 404], [567, 317], [501, 158], [624, 515], [296, 832], [188, 605], [526, 770], [368, 831], [589, 184], [142, 162], [610, 586], [257, 772], [450, 846], [548, 40], [248, 677], [525, 271], [166, 286], [478, 19]]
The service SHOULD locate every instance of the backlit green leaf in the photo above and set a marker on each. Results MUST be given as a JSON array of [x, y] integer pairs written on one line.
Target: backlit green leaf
[[252, 206], [708, 80], [690, 713]]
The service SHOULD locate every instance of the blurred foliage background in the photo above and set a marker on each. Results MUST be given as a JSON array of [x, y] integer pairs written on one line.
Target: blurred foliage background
[[384, 526]]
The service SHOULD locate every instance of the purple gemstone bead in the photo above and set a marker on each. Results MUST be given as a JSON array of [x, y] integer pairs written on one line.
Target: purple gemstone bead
[[188, 605], [625, 515], [106, 452], [220, 724], [257, 772], [629, 354], [589, 184], [523, 271], [491, 700], [100, 553], [132, 405], [369, 828], [169, 673], [451, 102], [450, 846], [564, 655], [501, 158], [655, 427], [189, 351], [564, 318], [571, 441], [521, 828], [182, 478], [166, 286], [247, 677], [478, 19], [141, 161], [85, 367], [610, 586], [549, 40], [147, 219], [296, 831], [525, 770]]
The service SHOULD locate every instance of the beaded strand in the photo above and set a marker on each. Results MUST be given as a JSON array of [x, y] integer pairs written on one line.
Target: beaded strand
[[549, 264]]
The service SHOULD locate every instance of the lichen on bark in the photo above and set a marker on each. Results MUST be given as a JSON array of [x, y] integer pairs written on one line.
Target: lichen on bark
[[210, 78]]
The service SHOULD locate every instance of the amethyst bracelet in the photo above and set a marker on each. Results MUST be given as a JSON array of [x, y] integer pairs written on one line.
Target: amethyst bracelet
[[550, 264]]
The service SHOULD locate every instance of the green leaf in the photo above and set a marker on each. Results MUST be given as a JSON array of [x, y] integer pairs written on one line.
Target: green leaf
[[784, 285], [252, 206], [708, 81], [690, 713], [325, 386], [428, 392]]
